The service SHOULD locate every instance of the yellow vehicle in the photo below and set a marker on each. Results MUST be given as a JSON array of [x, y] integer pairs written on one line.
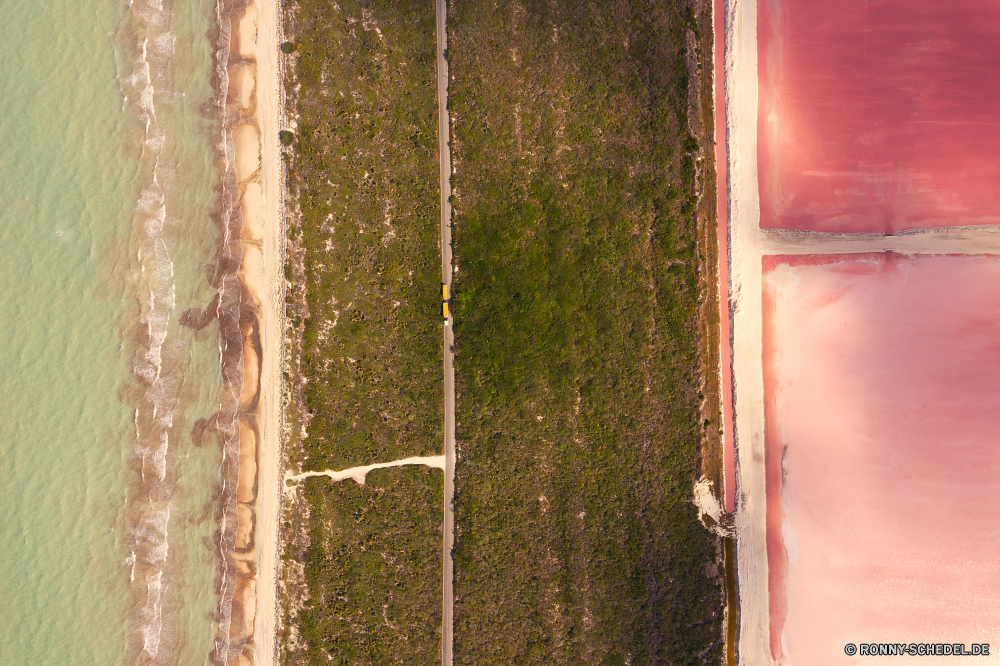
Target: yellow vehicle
[[444, 304], [444, 292], [444, 308]]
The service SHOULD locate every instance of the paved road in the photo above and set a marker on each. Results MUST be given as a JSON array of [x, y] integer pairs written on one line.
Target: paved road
[[444, 143]]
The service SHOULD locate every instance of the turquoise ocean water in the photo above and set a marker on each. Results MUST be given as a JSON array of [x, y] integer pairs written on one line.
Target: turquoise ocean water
[[107, 187]]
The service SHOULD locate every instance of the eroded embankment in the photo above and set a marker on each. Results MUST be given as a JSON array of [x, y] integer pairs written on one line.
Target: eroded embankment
[[239, 275]]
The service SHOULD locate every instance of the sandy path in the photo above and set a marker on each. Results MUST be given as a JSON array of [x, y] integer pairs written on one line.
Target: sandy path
[[359, 473], [943, 240]]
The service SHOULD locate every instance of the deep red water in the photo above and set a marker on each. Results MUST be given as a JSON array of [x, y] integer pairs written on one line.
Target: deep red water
[[882, 393], [878, 116]]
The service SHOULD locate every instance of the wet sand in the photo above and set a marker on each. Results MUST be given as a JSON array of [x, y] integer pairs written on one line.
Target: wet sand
[[878, 117], [881, 408]]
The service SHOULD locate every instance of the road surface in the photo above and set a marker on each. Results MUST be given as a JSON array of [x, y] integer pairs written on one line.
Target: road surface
[[444, 143]]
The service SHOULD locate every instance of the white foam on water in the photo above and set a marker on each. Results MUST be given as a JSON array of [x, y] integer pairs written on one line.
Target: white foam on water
[[106, 232], [152, 535], [154, 416]]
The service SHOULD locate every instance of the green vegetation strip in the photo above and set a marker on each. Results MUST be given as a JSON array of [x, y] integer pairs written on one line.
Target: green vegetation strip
[[373, 570], [362, 565], [577, 337], [366, 258]]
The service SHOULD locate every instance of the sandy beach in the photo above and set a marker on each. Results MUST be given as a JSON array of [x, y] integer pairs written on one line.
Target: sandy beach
[[255, 81]]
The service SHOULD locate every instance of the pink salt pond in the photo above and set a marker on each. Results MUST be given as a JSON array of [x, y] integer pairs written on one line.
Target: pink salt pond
[[878, 116], [882, 410]]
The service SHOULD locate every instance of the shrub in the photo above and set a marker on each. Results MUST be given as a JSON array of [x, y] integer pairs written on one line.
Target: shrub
[[577, 371]]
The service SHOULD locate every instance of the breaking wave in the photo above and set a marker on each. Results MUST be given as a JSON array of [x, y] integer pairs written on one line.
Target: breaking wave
[[159, 364]]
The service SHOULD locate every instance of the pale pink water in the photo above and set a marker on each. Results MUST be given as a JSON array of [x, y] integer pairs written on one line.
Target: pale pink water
[[882, 387], [878, 116]]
